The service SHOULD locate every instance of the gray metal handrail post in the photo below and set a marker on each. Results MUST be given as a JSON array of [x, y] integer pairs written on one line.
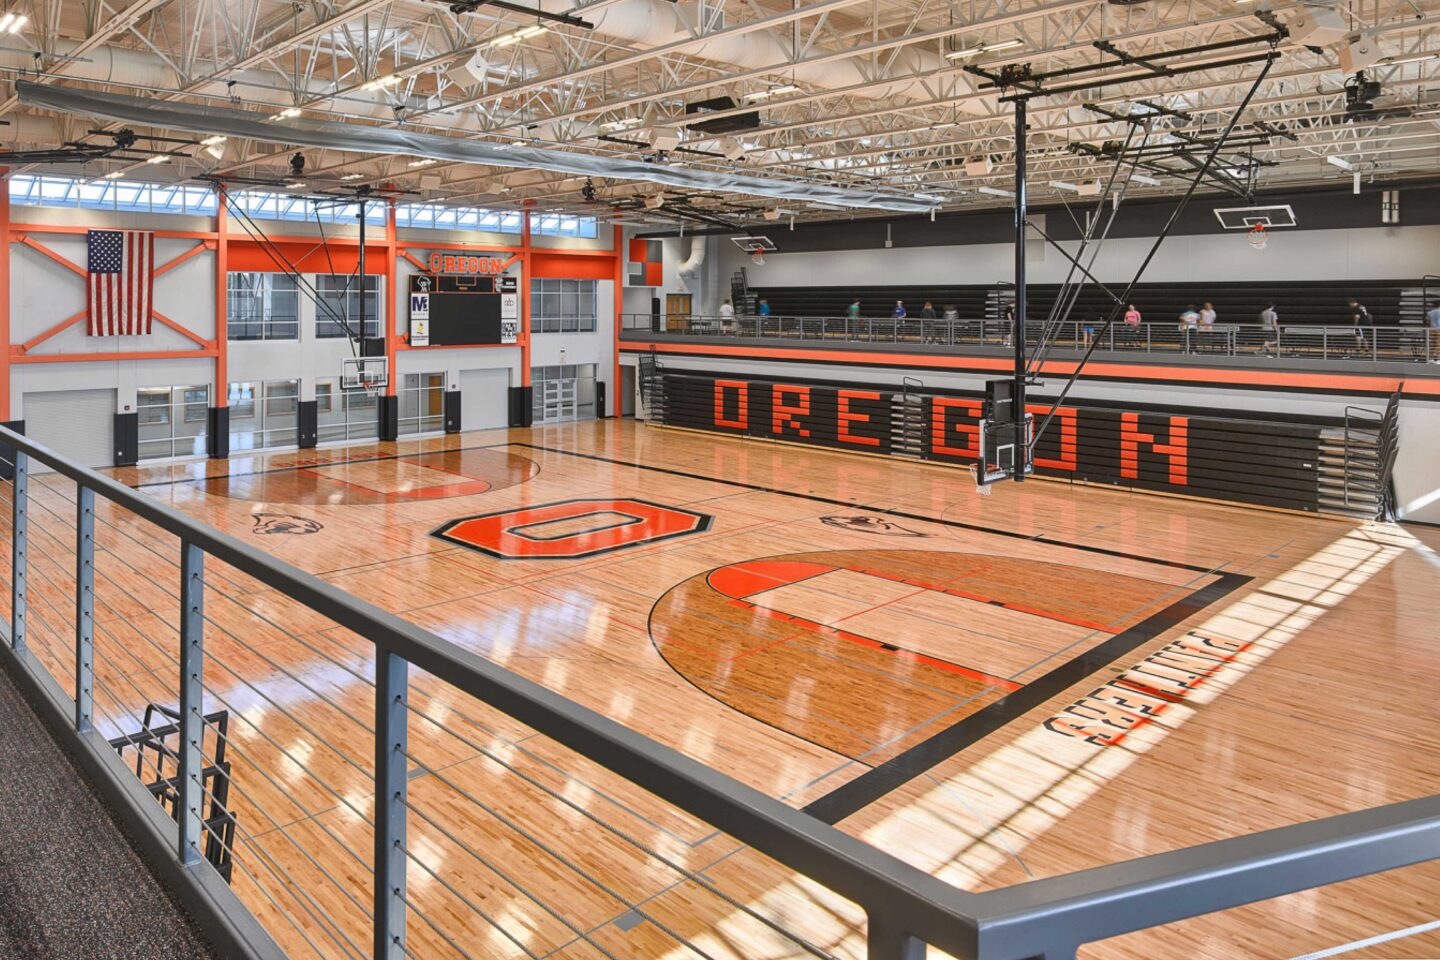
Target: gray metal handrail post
[[884, 942], [84, 608], [391, 801], [191, 761], [19, 547]]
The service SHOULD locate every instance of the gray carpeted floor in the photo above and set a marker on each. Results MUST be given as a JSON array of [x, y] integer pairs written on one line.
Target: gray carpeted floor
[[71, 887]]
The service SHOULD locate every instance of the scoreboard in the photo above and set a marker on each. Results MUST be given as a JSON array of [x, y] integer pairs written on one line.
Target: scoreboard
[[463, 311]]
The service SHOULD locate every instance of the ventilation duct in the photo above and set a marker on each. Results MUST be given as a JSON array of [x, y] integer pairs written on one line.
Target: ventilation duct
[[690, 268], [202, 119]]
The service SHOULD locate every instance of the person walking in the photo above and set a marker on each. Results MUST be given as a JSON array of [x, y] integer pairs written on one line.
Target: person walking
[[852, 319], [1132, 324], [727, 317], [1360, 316], [1207, 326], [1270, 323], [1432, 332], [1189, 323]]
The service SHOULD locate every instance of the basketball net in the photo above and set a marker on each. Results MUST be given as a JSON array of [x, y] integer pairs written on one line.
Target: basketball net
[[757, 256], [1258, 236], [983, 489]]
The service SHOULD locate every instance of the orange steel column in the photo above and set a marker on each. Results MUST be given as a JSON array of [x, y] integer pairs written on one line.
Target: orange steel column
[[617, 404], [392, 338], [221, 395], [525, 300], [5, 297]]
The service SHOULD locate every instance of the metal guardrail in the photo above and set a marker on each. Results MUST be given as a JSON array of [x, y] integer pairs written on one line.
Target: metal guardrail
[[371, 909], [1308, 341]]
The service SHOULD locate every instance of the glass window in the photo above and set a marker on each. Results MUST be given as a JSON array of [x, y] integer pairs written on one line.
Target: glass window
[[324, 396], [562, 306], [172, 420], [337, 307], [263, 306], [242, 401], [154, 406]]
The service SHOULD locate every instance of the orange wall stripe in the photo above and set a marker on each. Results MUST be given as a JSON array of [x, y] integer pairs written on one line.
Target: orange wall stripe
[[106, 357], [1339, 382], [17, 231], [220, 395]]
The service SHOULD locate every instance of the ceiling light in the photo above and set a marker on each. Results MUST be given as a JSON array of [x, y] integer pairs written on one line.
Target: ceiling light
[[1340, 162], [621, 124], [13, 22], [1062, 185], [114, 175], [422, 163], [295, 185], [289, 113], [996, 191], [985, 48], [382, 82], [212, 141], [515, 36], [772, 92], [353, 176], [158, 158], [1141, 178]]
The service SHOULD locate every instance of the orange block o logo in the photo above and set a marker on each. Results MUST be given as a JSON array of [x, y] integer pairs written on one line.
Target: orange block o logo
[[571, 529]]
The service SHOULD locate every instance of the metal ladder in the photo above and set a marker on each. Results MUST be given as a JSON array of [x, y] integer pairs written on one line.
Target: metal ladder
[[907, 421]]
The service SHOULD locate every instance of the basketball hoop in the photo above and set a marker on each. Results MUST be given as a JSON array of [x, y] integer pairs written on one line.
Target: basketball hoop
[[982, 489], [1257, 236], [757, 256]]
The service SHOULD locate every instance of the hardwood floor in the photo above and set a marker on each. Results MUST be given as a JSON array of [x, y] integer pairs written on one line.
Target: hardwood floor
[[994, 689]]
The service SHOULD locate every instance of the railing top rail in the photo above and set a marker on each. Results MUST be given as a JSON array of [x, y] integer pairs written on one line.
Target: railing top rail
[[1027, 919], [924, 905]]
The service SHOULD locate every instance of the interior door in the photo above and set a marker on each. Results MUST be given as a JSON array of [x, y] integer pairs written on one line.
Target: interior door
[[677, 310]]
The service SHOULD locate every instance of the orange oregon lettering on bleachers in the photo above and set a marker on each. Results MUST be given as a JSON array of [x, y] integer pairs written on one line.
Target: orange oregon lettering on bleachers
[[742, 396], [1177, 448], [1069, 447], [781, 412], [939, 428], [845, 416]]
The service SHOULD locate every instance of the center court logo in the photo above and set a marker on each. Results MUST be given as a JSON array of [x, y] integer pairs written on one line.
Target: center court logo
[[571, 529]]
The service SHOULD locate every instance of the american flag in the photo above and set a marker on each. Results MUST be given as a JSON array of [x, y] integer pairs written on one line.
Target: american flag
[[122, 280]]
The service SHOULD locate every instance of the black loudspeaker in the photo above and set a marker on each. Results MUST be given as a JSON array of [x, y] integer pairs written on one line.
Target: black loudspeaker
[[521, 414], [600, 399], [452, 411], [217, 433], [127, 439], [389, 413], [307, 424], [7, 452]]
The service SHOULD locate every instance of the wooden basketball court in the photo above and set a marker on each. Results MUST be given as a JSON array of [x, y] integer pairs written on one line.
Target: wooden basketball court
[[992, 688]]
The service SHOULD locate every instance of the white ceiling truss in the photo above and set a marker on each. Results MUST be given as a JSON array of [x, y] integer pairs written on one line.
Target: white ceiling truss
[[847, 92]]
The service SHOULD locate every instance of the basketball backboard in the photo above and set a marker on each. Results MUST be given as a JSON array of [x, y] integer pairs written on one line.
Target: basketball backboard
[[752, 243], [364, 373], [1245, 218]]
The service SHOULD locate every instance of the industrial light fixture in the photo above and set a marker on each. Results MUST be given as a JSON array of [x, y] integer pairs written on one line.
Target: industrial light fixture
[[621, 124], [1340, 162], [212, 141], [422, 163], [295, 185], [113, 175], [289, 113], [158, 158], [996, 191], [353, 176], [515, 36], [772, 92], [1141, 178], [984, 48], [379, 83], [1062, 185], [13, 22]]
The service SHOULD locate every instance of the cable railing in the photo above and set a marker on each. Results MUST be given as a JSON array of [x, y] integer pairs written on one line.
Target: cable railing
[[324, 779], [1308, 341]]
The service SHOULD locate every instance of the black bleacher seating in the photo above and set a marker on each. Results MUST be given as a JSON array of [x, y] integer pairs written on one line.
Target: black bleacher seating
[[1319, 302]]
